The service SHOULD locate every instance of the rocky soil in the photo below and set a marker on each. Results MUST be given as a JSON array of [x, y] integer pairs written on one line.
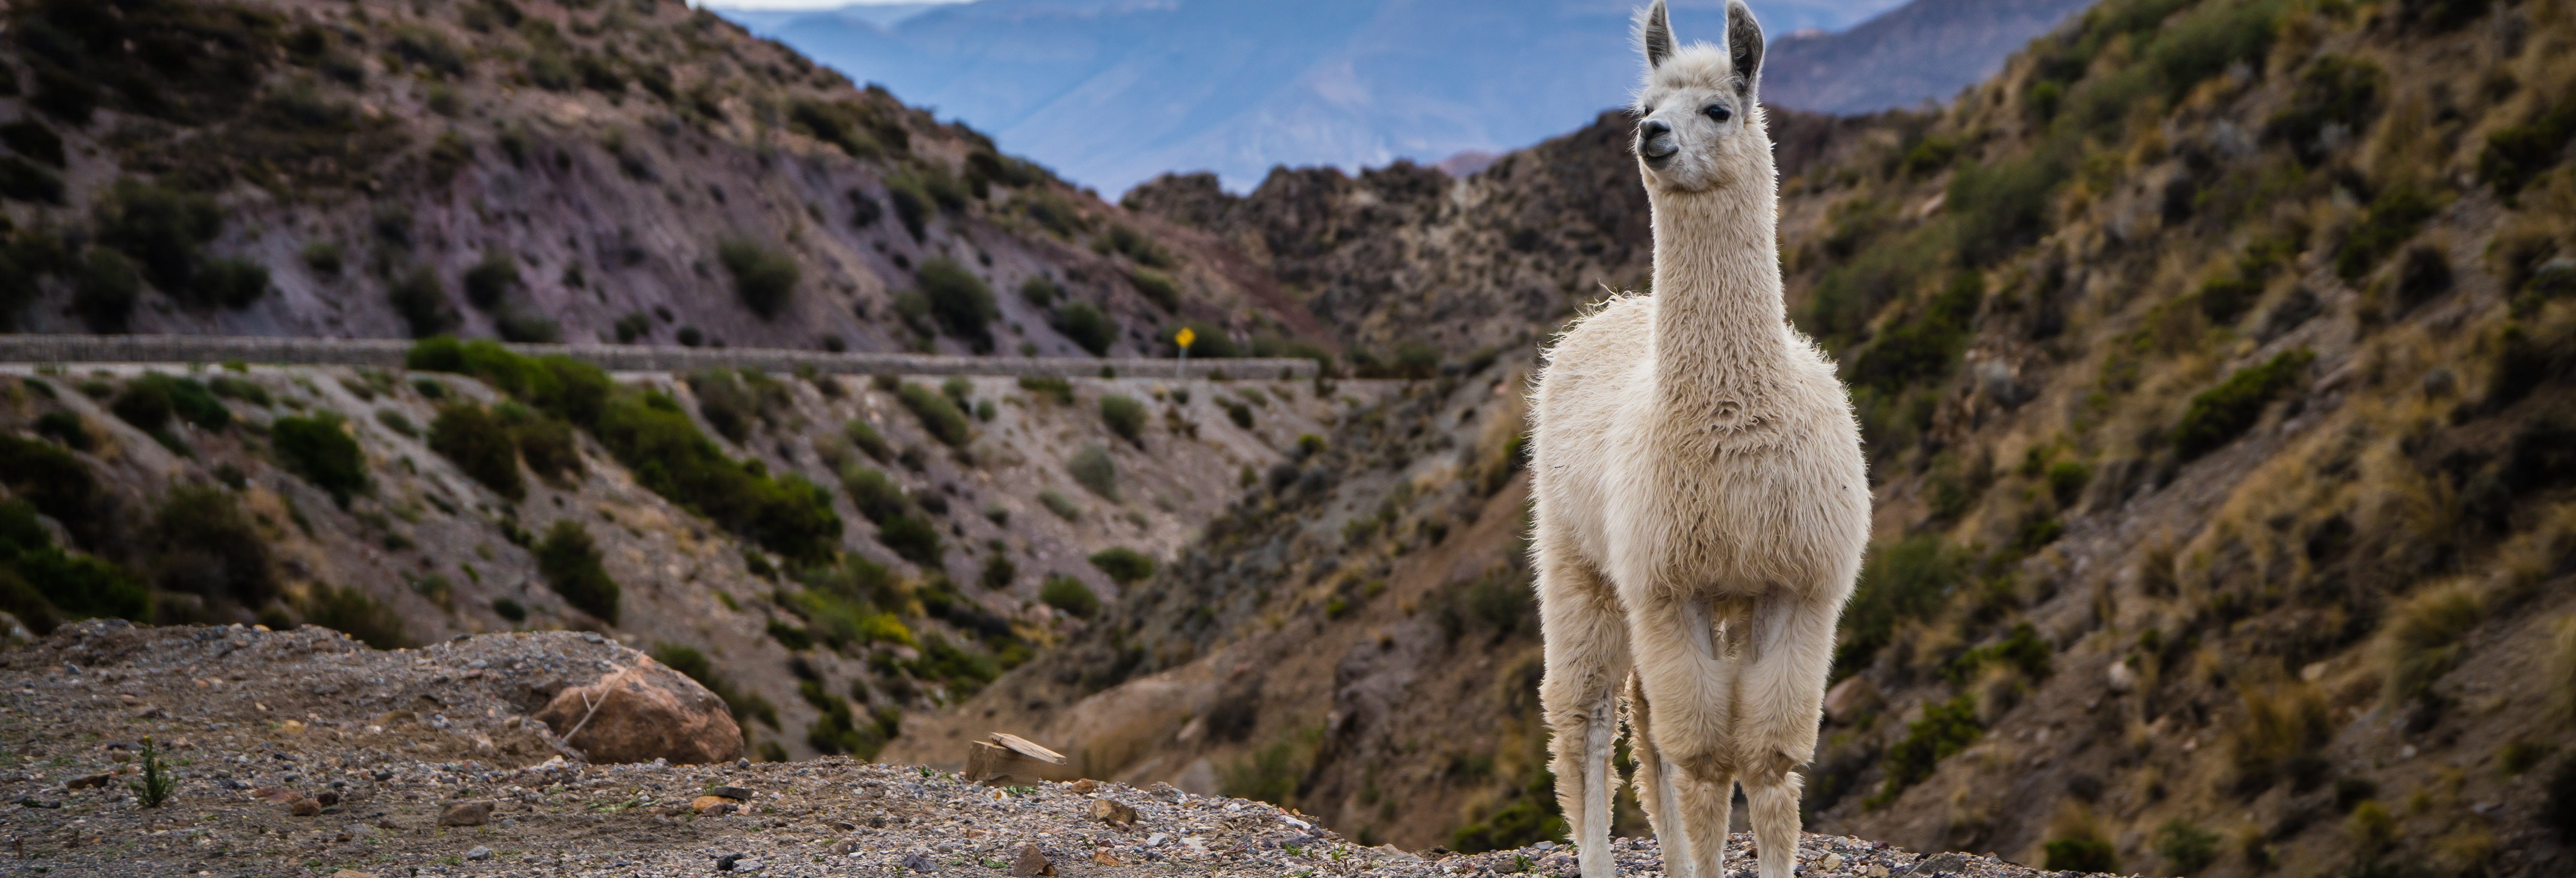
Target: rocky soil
[[306, 753]]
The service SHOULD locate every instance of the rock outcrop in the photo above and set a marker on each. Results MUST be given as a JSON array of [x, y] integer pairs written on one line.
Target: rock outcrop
[[642, 713]]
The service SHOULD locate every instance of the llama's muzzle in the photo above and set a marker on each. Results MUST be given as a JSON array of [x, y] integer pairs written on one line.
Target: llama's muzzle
[[1655, 141]]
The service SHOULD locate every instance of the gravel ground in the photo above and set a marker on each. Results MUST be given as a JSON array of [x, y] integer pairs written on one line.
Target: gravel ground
[[304, 754]]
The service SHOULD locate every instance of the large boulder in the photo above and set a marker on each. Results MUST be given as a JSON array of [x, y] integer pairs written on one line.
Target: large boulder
[[645, 712]]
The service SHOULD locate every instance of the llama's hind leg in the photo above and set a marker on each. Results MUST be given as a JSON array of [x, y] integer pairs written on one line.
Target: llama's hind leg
[[1692, 692], [1791, 646], [1654, 784], [1587, 654]]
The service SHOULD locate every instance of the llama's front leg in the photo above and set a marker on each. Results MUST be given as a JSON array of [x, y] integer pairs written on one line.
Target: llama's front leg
[[1792, 640], [1586, 654], [1692, 690], [1655, 783]]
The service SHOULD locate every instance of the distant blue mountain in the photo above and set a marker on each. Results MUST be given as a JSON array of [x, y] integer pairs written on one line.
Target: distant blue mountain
[[1113, 92]]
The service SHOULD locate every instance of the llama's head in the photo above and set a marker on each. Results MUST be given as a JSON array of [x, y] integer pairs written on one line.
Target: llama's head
[[1699, 126]]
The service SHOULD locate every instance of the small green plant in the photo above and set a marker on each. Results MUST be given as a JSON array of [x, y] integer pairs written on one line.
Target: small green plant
[[1063, 506], [1945, 729], [1070, 595], [2186, 847], [1092, 468], [869, 442], [959, 301], [1157, 287], [764, 278], [998, 571], [2423, 638], [1124, 565], [2218, 415], [570, 563], [154, 787], [1124, 415], [1056, 389], [1087, 326], [939, 416], [320, 450], [2081, 854]]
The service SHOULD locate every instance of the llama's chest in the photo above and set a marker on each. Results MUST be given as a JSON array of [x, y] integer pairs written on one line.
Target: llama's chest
[[1788, 507]]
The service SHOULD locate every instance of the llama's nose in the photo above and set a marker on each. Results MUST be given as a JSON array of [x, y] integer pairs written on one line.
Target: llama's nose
[[1655, 140]]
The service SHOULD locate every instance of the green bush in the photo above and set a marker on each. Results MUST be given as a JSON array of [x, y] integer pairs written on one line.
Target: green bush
[[1057, 389], [1070, 595], [509, 610], [998, 572], [58, 485], [1908, 579], [1945, 729], [570, 563], [1088, 327], [764, 278], [1124, 415], [869, 441], [2081, 854], [2218, 415], [491, 279], [2202, 42], [106, 290], [959, 301], [2066, 480], [876, 496], [1157, 287], [545, 442], [1039, 290], [2004, 205], [321, 451], [1927, 346], [913, 538], [203, 543], [1092, 468], [939, 416], [351, 612], [66, 428], [145, 405], [1124, 565], [2186, 847], [732, 399], [422, 303], [649, 433], [162, 228], [1059, 504], [477, 442], [2395, 216]]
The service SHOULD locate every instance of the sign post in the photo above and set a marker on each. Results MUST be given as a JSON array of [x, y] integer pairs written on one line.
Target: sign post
[[1183, 338]]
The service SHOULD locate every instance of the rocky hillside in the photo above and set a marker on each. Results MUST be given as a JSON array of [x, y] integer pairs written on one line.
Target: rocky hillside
[[145, 752], [825, 552], [619, 170], [1923, 51], [2213, 363]]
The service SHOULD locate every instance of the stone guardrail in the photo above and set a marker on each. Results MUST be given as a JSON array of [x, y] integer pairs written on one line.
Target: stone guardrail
[[389, 353]]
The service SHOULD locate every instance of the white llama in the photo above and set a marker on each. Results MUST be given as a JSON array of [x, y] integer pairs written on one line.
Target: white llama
[[1702, 502]]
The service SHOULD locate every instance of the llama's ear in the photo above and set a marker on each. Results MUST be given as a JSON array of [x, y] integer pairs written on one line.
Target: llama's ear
[[1743, 45], [1655, 34]]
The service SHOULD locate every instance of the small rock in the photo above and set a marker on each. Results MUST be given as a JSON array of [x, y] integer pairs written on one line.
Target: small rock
[[1085, 786], [714, 806], [1110, 812], [727, 862], [474, 813], [735, 793], [328, 798], [1877, 871], [1833, 861], [1946, 864], [844, 846], [1105, 858], [352, 873], [916, 862], [479, 853], [90, 782], [303, 807], [843, 825], [1031, 864]]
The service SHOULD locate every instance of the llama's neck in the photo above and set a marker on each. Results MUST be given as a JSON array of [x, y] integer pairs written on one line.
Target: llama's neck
[[1718, 316]]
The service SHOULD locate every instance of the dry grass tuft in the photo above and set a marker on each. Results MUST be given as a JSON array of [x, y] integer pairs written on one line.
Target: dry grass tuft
[[2423, 634]]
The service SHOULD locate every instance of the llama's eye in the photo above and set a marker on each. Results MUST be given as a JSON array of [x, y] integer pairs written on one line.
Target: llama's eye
[[1719, 112]]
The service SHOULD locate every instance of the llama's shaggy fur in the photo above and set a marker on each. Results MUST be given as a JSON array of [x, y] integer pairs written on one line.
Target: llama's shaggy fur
[[1702, 503]]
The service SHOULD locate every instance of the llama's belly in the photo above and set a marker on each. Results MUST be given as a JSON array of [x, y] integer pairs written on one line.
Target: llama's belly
[[1741, 524]]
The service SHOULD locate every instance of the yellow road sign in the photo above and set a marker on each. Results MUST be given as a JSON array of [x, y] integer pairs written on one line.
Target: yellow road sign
[[1185, 337]]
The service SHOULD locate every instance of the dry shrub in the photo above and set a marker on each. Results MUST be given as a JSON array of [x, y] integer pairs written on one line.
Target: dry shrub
[[2284, 728], [2423, 634]]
